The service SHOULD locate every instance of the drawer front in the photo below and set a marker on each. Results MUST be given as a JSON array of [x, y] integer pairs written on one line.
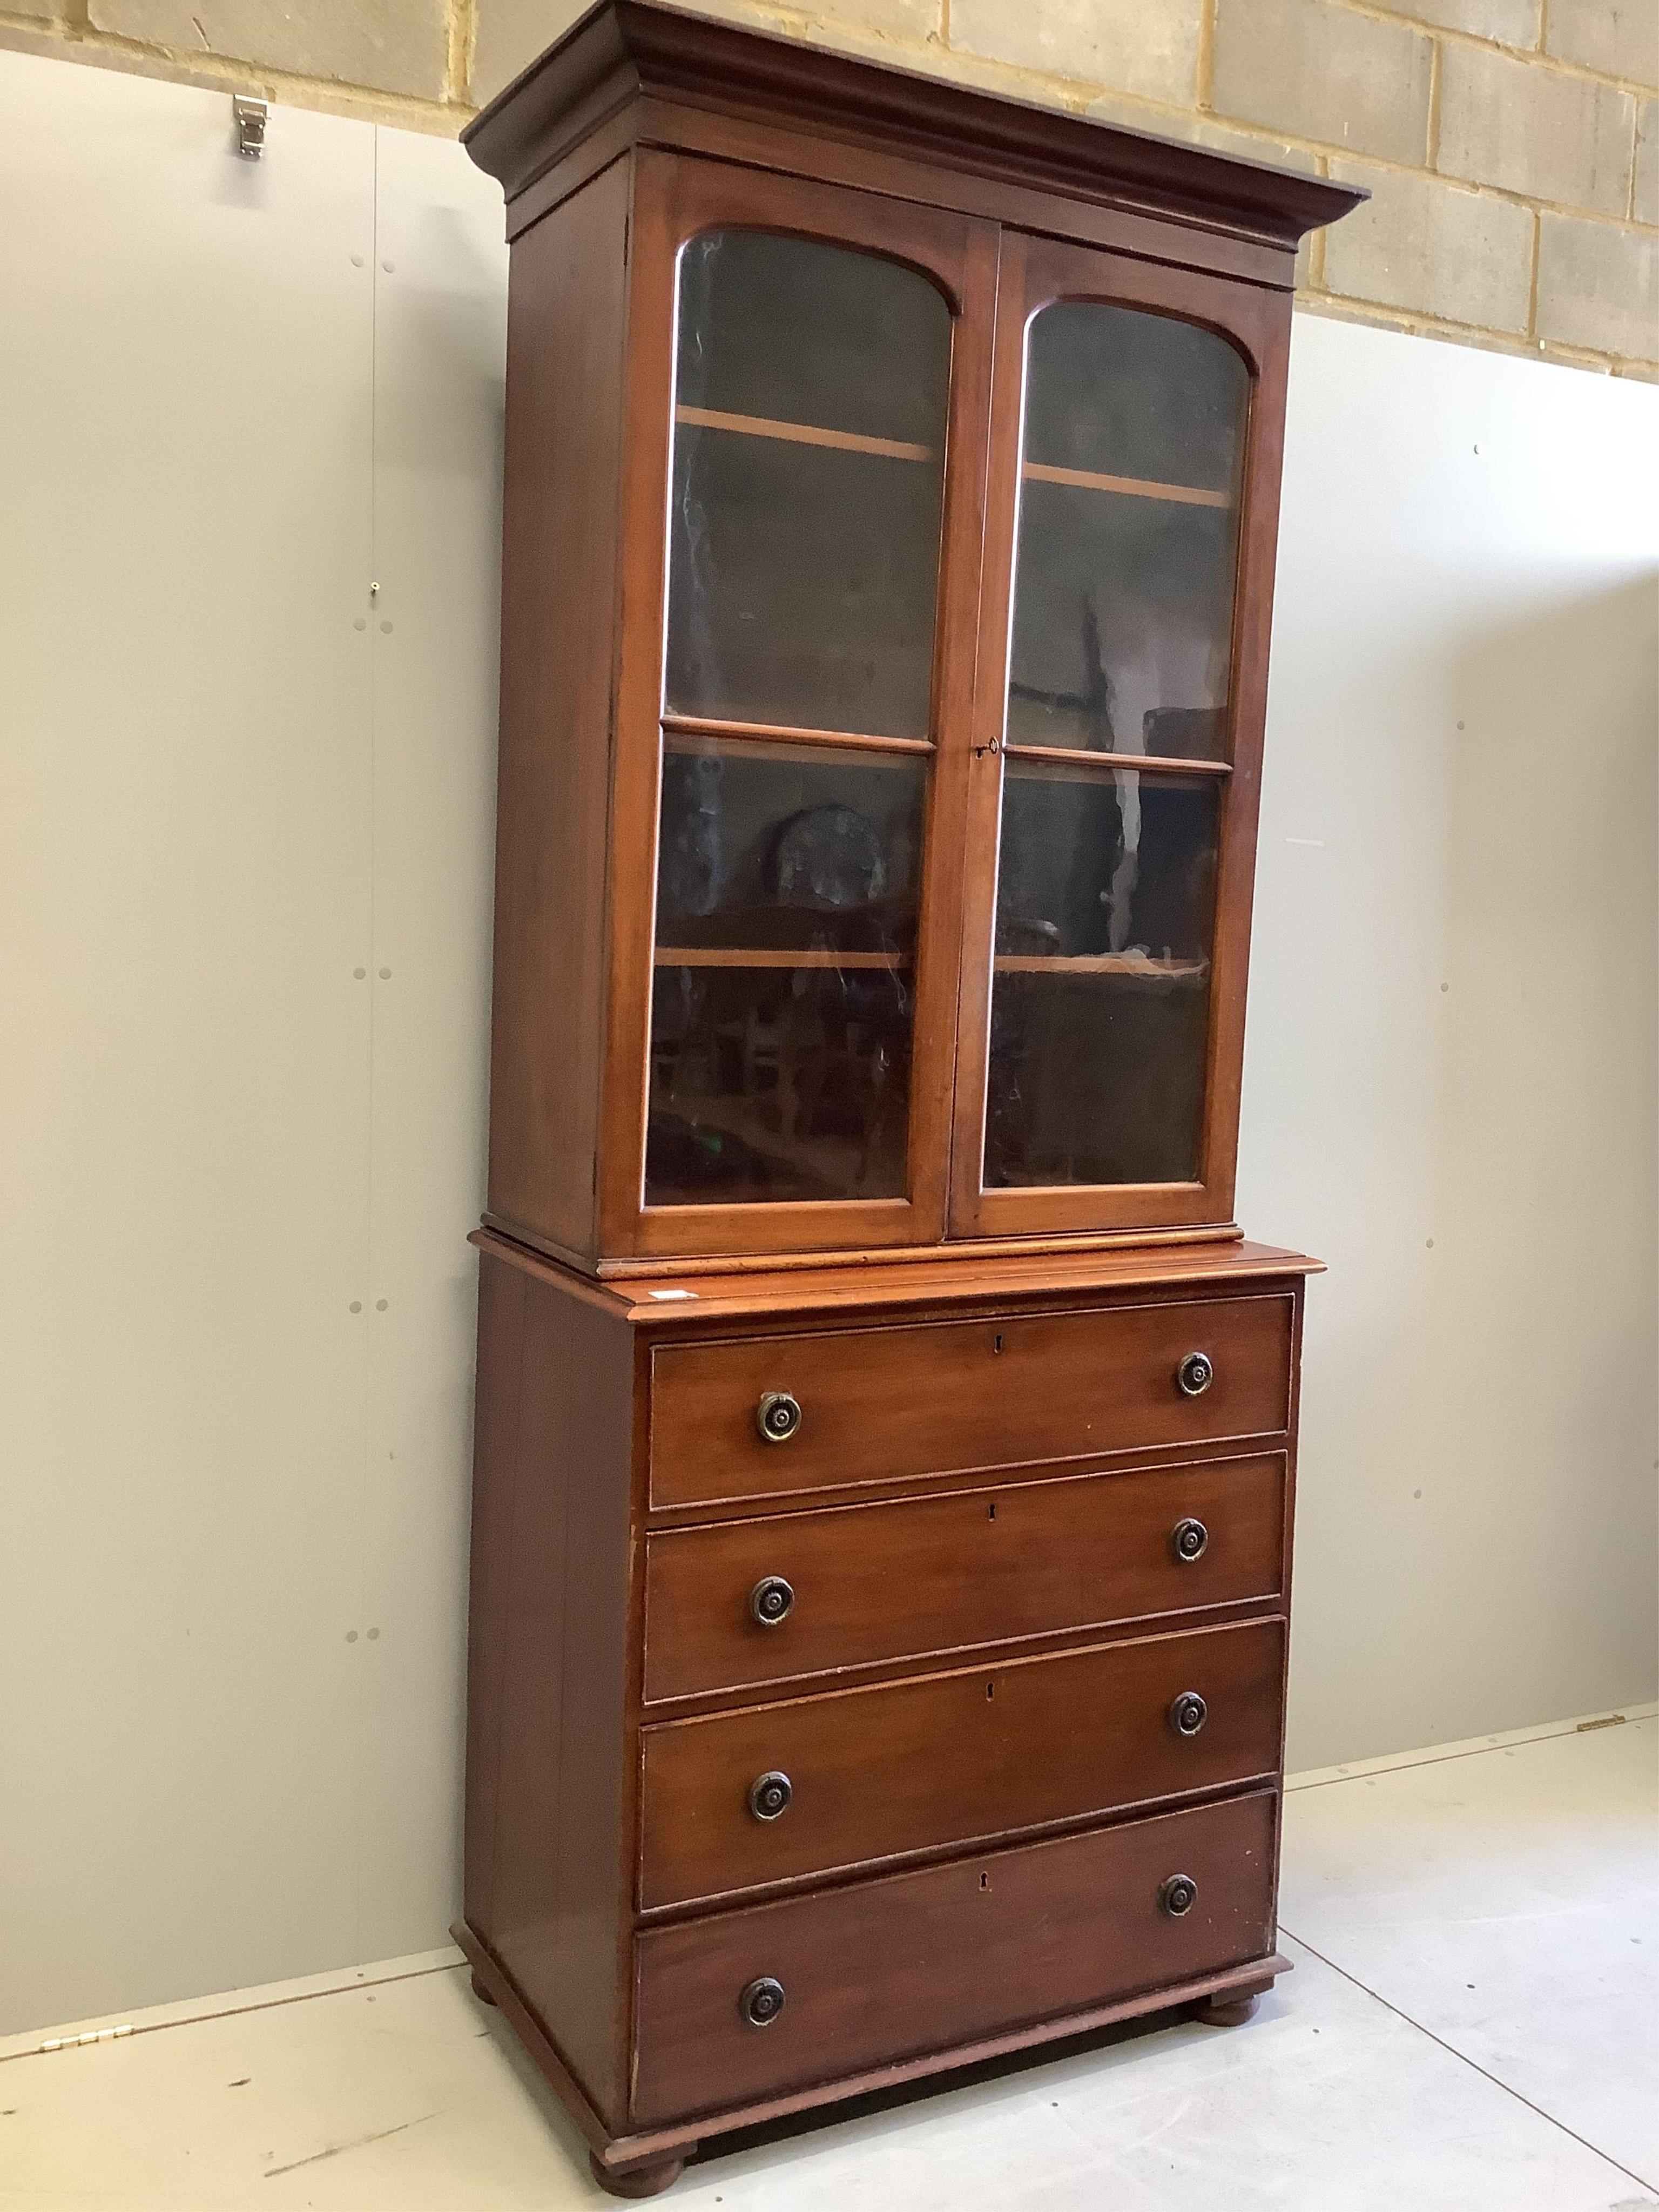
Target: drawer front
[[892, 1968], [872, 1582], [952, 1758], [948, 1397]]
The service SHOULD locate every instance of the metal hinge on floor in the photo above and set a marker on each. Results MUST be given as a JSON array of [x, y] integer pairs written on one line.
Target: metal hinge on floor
[[1608, 1720]]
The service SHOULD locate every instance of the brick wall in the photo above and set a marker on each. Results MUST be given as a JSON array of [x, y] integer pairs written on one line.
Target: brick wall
[[1511, 146]]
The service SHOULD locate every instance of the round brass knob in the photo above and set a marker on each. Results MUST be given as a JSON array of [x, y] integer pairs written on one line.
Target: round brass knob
[[1189, 1540], [761, 2002], [1188, 1713], [770, 1600], [1177, 1895], [777, 1416], [770, 1796], [1195, 1374]]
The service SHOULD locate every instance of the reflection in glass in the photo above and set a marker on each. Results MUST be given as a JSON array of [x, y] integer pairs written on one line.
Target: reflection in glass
[[1128, 532], [782, 1011], [809, 450], [1101, 996]]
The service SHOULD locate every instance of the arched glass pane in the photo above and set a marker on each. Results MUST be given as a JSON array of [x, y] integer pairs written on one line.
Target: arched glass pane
[[809, 449], [1129, 534], [1121, 644]]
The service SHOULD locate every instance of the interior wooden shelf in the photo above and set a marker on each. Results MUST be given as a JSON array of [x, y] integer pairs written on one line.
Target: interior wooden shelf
[[686, 733], [1094, 963], [1063, 760], [1133, 487], [803, 434], [721, 956], [902, 449]]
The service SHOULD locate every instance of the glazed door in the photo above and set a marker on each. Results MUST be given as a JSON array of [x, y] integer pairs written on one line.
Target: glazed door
[[809, 379], [1117, 742]]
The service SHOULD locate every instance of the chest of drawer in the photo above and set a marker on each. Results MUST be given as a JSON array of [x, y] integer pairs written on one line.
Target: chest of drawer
[[891, 1968], [859, 1584], [948, 1759], [767, 1416]]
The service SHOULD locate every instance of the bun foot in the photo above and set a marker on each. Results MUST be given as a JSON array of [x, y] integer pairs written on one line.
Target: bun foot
[[481, 1992], [649, 2180], [1226, 2012]]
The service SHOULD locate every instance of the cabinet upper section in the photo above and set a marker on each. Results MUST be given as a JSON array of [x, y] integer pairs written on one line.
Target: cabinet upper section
[[888, 569]]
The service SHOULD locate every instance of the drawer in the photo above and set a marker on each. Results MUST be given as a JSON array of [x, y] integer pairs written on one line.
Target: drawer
[[928, 1575], [877, 1405], [952, 1758], [889, 1969]]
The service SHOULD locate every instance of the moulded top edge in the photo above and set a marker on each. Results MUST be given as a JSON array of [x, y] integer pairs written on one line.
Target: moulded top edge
[[935, 1277], [621, 49]]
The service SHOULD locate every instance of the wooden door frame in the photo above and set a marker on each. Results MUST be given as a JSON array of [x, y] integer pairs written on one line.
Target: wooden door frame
[[1034, 273], [675, 197]]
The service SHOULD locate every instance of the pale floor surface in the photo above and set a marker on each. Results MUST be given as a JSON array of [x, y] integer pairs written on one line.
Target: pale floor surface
[[1472, 2025]]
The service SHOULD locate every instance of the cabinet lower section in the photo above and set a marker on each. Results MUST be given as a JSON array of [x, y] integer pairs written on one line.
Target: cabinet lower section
[[770, 1806]]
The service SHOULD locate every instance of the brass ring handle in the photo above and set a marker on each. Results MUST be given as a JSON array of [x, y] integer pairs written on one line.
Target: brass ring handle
[[1188, 1713], [777, 1416], [761, 2002], [770, 1600], [1189, 1540], [770, 1796], [1195, 1374]]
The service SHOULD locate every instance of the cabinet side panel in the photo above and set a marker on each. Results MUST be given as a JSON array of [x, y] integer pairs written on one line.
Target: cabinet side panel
[[566, 332], [553, 1890], [595, 1842], [501, 1292]]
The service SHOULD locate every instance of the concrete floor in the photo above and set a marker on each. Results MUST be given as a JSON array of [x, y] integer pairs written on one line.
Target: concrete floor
[[1473, 2024]]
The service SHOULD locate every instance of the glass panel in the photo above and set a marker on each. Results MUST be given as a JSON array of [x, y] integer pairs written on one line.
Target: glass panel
[[782, 1011], [1129, 534], [808, 467], [1100, 1004]]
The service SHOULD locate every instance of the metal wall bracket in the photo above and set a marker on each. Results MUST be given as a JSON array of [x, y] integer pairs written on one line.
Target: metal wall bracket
[[249, 117]]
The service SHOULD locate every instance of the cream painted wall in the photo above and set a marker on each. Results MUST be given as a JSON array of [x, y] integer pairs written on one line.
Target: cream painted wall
[[245, 840], [1450, 1083], [220, 799]]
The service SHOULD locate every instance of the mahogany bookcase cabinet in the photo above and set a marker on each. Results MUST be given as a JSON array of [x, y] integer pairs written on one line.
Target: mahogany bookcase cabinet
[[885, 1439]]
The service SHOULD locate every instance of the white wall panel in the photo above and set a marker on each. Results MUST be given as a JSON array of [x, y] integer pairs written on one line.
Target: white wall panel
[[441, 340], [1449, 1076], [229, 798]]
